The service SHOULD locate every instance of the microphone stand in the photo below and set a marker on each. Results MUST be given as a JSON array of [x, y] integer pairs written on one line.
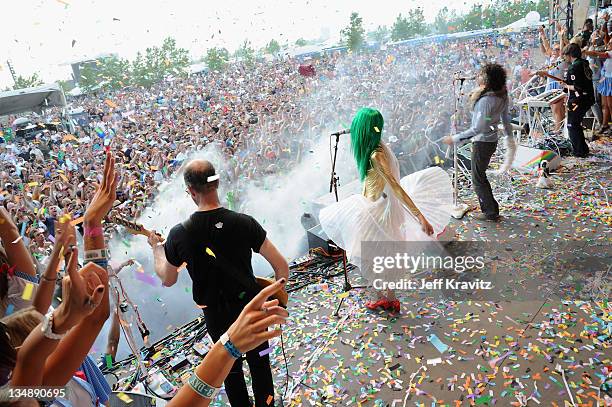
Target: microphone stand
[[459, 209], [333, 187]]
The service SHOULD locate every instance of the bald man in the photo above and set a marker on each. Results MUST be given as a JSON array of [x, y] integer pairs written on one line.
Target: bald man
[[217, 244]]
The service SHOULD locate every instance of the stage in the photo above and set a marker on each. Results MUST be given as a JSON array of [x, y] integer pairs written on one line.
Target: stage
[[540, 326]]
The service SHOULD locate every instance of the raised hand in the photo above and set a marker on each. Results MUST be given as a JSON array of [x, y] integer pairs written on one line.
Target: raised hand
[[251, 328], [105, 196], [82, 293]]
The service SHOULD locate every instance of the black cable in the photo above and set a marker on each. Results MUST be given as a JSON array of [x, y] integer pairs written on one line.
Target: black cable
[[286, 366]]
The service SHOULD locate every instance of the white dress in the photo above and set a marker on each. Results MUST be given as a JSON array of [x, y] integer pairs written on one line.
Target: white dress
[[357, 218]]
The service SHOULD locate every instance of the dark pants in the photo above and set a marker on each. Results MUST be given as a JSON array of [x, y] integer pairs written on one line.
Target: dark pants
[[596, 108], [481, 156], [575, 114], [218, 321]]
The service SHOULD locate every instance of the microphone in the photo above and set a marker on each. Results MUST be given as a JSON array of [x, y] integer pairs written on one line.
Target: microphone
[[465, 78], [341, 132]]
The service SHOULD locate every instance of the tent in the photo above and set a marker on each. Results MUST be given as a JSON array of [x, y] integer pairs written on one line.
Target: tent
[[31, 99], [532, 19]]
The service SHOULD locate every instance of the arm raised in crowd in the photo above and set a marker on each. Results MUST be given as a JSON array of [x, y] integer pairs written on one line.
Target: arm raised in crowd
[[75, 346], [65, 238], [16, 251], [78, 302], [246, 333]]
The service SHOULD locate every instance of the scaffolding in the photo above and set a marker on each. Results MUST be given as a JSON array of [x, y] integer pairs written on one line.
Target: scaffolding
[[561, 11]]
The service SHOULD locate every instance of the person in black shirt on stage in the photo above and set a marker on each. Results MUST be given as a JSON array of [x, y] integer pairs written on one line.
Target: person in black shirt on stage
[[581, 96], [217, 244]]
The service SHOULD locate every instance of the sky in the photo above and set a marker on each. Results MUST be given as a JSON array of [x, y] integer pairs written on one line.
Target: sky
[[45, 35]]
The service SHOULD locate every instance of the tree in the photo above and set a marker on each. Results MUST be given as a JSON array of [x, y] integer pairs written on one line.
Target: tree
[[216, 58], [245, 53], [410, 26], [27, 81], [381, 34], [66, 86], [158, 63], [301, 42], [353, 34], [445, 21], [497, 13], [105, 73], [273, 47]]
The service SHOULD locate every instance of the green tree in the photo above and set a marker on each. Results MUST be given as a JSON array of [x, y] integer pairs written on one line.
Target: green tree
[[446, 21], [158, 63], [353, 34], [27, 81], [498, 13], [216, 58], [66, 86], [245, 53], [273, 47], [381, 34], [105, 73], [301, 42], [410, 26]]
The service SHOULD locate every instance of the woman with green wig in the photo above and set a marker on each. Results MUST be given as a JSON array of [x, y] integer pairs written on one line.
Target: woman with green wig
[[414, 208]]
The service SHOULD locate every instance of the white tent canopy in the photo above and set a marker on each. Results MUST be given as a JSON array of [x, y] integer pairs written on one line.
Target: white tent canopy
[[31, 99], [532, 19]]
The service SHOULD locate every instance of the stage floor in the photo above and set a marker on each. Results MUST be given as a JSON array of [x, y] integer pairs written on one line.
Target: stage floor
[[551, 243]]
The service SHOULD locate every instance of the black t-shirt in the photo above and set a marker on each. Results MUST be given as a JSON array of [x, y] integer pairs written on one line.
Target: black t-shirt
[[231, 237], [580, 75]]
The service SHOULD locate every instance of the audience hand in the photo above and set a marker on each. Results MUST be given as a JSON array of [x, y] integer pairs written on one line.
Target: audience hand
[[105, 196], [251, 328], [82, 293]]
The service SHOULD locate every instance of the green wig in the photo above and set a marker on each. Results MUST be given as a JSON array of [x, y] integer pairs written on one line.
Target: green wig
[[366, 130]]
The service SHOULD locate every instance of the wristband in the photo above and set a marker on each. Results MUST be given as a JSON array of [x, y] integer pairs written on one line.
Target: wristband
[[95, 231], [100, 254], [204, 389], [229, 346]]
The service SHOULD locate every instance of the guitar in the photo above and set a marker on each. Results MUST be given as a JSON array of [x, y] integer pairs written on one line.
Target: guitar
[[546, 74], [137, 229]]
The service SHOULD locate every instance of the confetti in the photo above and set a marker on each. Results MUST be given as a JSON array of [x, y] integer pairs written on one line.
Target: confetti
[[27, 291], [17, 240], [9, 309], [435, 341], [109, 361], [124, 397], [210, 253], [265, 351]]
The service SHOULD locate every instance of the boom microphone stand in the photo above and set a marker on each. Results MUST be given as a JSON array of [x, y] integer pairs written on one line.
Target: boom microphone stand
[[459, 209], [333, 186]]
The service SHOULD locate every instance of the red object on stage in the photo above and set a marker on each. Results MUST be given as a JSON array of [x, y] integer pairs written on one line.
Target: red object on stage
[[307, 70]]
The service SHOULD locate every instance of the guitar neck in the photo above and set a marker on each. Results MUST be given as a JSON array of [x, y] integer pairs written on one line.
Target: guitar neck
[[131, 227], [553, 77]]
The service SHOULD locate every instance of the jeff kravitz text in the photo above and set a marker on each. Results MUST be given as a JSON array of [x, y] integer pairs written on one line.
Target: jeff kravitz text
[[436, 284]]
